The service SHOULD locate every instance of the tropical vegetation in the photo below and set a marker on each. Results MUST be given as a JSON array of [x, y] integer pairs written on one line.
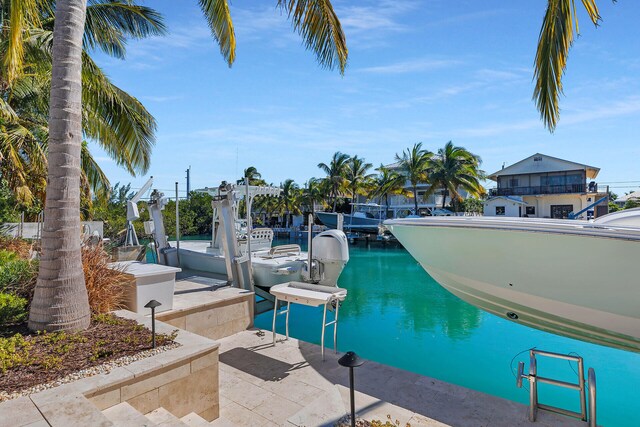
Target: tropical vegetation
[[60, 275]]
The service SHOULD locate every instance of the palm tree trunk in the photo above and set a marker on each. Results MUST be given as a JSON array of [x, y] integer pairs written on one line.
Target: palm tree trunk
[[335, 198], [60, 300], [444, 198], [386, 207], [415, 199]]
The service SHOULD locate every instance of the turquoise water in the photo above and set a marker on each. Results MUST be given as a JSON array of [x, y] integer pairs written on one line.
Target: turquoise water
[[398, 315]]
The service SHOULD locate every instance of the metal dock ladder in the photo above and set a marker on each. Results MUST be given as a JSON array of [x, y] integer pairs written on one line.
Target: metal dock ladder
[[534, 379]]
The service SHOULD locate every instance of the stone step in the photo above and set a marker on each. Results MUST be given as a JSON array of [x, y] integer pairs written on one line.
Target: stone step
[[124, 414], [194, 420], [164, 418], [221, 422]]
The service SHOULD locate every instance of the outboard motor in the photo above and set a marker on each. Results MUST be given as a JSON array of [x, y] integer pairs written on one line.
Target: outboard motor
[[330, 249]]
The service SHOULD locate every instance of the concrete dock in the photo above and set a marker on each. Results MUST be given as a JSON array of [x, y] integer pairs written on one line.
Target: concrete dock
[[289, 385]]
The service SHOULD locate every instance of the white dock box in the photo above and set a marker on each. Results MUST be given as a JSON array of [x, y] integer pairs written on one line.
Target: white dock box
[[151, 281]]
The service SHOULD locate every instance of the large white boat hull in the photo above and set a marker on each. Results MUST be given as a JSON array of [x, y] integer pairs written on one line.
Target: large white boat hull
[[573, 281]]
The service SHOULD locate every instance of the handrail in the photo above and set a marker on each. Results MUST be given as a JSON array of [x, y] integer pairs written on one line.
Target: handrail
[[534, 379], [592, 397]]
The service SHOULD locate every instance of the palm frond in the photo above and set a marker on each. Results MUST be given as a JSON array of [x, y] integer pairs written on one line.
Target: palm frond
[[559, 27], [218, 17], [319, 26], [96, 179], [116, 120], [24, 15], [110, 23]]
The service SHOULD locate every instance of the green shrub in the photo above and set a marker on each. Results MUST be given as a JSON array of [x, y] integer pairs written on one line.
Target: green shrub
[[14, 351], [13, 309], [7, 257], [18, 277]]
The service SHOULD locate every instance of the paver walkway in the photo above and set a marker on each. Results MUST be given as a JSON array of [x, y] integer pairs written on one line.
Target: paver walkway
[[289, 385]]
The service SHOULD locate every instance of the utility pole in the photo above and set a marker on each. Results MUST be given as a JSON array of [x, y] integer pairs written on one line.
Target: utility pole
[[188, 181]]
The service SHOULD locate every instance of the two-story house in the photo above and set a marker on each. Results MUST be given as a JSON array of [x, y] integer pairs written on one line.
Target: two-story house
[[545, 187]]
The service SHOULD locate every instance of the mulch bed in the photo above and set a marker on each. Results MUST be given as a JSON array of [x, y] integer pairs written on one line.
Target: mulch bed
[[34, 359]]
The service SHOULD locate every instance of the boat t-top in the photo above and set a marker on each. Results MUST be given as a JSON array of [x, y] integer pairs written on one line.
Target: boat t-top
[[570, 277]]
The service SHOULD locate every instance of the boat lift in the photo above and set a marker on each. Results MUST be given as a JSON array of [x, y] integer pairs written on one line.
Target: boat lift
[[311, 295], [133, 214]]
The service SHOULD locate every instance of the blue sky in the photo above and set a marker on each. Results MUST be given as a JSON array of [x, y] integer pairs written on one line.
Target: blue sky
[[419, 71]]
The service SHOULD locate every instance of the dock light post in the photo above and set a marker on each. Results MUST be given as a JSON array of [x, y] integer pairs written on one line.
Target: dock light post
[[152, 305], [351, 360]]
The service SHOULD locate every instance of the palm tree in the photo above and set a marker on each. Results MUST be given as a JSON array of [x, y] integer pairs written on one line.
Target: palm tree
[[387, 182], [559, 28], [252, 174], [60, 301], [413, 165], [357, 176], [336, 171], [454, 168], [312, 193], [116, 120], [290, 199]]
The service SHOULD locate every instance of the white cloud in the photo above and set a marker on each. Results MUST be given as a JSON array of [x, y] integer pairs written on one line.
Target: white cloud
[[412, 66]]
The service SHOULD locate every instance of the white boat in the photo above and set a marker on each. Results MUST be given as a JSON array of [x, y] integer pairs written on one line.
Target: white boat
[[364, 218], [267, 265], [569, 277]]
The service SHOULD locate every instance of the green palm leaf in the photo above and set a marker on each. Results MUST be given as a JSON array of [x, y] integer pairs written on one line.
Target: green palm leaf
[[218, 17], [319, 26], [559, 27]]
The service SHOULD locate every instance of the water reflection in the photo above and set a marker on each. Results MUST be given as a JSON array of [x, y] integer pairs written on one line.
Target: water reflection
[[377, 280]]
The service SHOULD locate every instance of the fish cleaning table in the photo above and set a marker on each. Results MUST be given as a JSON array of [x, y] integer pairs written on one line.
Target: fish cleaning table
[[312, 295]]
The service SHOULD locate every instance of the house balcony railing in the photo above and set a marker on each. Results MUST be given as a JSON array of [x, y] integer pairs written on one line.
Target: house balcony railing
[[544, 189]]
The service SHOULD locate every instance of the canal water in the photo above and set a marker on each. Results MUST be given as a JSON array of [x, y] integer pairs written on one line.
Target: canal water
[[398, 315]]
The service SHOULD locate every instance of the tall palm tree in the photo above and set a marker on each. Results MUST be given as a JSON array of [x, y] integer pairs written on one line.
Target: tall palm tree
[[336, 171], [60, 300], [357, 176], [559, 28], [414, 165], [387, 182], [454, 168]]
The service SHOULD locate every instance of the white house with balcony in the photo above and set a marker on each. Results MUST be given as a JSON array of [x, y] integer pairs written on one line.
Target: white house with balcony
[[543, 186]]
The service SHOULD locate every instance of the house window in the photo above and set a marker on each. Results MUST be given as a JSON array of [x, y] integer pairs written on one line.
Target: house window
[[500, 210], [530, 210], [561, 211], [513, 182]]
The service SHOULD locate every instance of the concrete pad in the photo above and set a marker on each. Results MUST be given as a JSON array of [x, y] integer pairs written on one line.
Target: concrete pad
[[294, 370], [325, 410], [240, 416]]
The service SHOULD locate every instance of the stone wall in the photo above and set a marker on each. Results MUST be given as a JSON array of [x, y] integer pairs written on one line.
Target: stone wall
[[215, 320]]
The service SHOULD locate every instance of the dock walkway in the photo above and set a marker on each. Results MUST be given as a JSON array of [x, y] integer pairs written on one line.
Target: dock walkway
[[289, 385]]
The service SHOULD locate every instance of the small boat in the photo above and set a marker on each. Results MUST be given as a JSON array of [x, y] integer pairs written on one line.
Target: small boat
[[364, 218], [569, 277], [269, 265]]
